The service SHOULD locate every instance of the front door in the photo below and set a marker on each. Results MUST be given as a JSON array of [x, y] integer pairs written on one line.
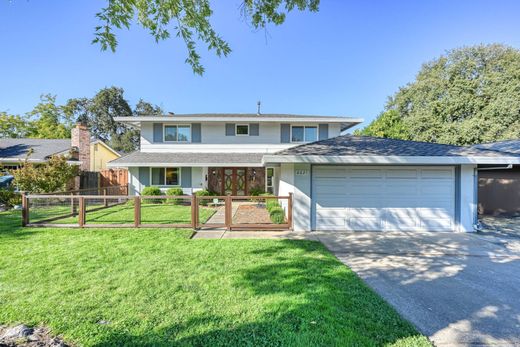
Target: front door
[[234, 181]]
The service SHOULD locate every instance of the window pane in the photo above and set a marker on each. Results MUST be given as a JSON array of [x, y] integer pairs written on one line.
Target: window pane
[[172, 176], [157, 176], [183, 134], [297, 134], [311, 134], [242, 129], [170, 133]]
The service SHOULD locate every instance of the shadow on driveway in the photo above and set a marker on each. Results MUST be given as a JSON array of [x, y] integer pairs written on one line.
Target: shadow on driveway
[[457, 288]]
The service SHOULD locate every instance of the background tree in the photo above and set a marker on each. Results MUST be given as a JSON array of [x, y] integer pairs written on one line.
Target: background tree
[[388, 124], [48, 120], [98, 114], [12, 126], [470, 95], [188, 20]]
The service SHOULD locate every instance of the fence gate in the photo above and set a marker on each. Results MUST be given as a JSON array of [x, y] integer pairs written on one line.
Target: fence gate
[[113, 177], [88, 180]]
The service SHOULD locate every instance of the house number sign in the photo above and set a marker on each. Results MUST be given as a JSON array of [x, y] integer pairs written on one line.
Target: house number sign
[[302, 172]]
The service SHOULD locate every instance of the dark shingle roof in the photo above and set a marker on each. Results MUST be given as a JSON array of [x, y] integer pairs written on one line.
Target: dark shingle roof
[[180, 158], [17, 149], [508, 146], [348, 145]]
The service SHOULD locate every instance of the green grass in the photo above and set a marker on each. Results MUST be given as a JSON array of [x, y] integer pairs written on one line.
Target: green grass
[[159, 288], [123, 214]]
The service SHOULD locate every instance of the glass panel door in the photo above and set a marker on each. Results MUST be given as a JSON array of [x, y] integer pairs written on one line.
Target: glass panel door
[[228, 182], [240, 181]]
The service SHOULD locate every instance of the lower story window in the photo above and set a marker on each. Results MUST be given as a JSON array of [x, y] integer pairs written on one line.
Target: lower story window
[[169, 176], [269, 173]]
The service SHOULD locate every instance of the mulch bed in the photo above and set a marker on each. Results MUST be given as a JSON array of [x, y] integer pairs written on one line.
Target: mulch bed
[[252, 214]]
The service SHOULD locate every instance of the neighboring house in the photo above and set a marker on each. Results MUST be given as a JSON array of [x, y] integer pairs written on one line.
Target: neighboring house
[[499, 186], [90, 154], [338, 182], [100, 155]]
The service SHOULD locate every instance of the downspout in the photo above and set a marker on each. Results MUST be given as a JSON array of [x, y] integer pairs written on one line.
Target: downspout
[[477, 226]]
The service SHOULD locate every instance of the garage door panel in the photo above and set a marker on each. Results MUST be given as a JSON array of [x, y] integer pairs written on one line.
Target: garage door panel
[[384, 198]]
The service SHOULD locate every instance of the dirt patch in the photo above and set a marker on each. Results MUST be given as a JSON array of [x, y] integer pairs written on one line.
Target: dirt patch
[[252, 214], [22, 335]]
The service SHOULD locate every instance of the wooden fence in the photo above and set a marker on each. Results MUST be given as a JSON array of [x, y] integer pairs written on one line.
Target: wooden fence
[[121, 211]]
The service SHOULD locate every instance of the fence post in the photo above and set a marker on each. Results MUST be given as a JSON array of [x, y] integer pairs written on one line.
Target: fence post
[[228, 216], [137, 211], [289, 211], [194, 211], [81, 216], [25, 210], [105, 202]]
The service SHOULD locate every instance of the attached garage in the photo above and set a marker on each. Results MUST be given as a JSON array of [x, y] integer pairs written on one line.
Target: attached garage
[[361, 183], [362, 198]]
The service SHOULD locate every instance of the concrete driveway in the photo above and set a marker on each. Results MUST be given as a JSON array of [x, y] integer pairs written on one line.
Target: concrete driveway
[[458, 289]]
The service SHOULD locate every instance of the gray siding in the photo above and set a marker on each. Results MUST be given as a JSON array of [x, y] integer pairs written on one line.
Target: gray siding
[[144, 176], [157, 132], [323, 132], [285, 133], [196, 133], [254, 129], [230, 129], [186, 177]]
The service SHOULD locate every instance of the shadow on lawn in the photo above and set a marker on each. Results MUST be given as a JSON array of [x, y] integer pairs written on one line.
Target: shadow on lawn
[[316, 301], [11, 226]]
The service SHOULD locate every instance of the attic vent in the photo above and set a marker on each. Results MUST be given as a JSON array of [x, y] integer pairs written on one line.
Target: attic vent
[[258, 104]]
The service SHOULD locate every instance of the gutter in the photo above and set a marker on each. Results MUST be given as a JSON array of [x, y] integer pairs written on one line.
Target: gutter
[[508, 167]]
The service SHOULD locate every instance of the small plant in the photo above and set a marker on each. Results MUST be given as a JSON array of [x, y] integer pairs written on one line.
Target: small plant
[[256, 191], [204, 202], [152, 191], [7, 195], [175, 192], [277, 215]]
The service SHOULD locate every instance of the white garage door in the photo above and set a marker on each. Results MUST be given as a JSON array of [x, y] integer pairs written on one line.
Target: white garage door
[[384, 198]]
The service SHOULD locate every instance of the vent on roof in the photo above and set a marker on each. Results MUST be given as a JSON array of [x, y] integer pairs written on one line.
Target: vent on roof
[[258, 104]]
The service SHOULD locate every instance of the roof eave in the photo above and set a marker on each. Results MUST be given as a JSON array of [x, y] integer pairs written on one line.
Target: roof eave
[[404, 160]]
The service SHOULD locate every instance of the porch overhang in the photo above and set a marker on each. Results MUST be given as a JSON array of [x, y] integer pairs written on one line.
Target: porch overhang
[[188, 159]]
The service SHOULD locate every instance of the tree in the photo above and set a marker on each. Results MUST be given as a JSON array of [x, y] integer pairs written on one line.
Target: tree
[[45, 178], [98, 114], [469, 95], [48, 120], [388, 124], [189, 20], [12, 126]]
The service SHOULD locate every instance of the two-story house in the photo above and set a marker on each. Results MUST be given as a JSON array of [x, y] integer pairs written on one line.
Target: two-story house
[[339, 182], [219, 152]]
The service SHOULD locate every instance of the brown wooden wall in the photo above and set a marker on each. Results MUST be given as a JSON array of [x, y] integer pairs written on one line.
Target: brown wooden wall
[[499, 192]]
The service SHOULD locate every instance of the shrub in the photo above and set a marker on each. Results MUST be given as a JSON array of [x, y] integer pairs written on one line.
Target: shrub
[[271, 204], [256, 191], [277, 215], [152, 190], [175, 192], [7, 195], [204, 193]]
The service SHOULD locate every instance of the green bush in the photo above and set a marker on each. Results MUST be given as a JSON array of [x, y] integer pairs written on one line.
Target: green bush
[[7, 195], [175, 192], [204, 192], [150, 191], [271, 204], [256, 191], [277, 215]]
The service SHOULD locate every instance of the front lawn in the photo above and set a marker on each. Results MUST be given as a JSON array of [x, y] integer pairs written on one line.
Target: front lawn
[[165, 213], [113, 287]]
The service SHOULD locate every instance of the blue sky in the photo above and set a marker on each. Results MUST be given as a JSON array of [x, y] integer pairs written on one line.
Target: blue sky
[[344, 60]]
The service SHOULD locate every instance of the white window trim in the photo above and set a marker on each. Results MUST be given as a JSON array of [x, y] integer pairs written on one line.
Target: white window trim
[[304, 139], [164, 182], [176, 125], [240, 125]]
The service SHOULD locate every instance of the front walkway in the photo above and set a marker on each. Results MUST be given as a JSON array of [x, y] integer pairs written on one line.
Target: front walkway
[[223, 234]]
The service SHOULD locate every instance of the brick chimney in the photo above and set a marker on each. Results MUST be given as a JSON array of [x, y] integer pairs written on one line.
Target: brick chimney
[[80, 140]]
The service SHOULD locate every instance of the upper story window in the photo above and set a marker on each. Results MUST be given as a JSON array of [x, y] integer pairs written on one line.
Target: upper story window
[[304, 133], [177, 133], [242, 130]]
